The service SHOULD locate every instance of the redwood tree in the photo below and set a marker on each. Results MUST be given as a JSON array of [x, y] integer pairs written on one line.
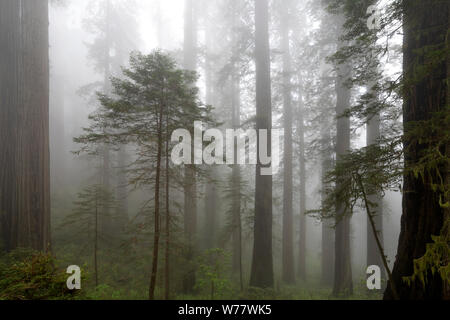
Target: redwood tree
[[425, 93], [343, 270], [24, 123], [262, 264]]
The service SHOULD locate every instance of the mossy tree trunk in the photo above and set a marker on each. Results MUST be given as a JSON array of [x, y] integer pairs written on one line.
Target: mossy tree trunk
[[426, 26]]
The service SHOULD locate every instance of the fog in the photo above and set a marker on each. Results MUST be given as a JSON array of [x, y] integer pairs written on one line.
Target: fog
[[72, 69], [126, 76]]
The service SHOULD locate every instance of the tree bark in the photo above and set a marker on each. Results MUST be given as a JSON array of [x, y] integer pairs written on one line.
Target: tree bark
[[10, 95], [343, 284], [426, 23], [25, 94], [262, 264]]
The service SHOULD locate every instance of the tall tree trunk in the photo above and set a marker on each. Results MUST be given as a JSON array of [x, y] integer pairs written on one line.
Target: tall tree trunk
[[236, 187], [211, 197], [372, 136], [343, 284], [262, 264], [236, 170], [190, 177], [446, 229], [168, 218], [236, 220], [302, 227], [25, 92], [157, 231], [426, 24], [10, 97], [288, 274], [327, 226], [373, 254], [96, 239]]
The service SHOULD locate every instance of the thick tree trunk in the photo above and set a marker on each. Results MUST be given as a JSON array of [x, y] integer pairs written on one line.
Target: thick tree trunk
[[446, 229], [262, 264], [327, 276], [25, 108], [343, 284], [426, 24], [10, 97], [288, 274]]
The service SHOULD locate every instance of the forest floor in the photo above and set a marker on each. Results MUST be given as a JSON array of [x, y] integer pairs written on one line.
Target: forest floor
[[119, 280]]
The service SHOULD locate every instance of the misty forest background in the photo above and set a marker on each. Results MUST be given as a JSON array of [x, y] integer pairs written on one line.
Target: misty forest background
[[91, 91]]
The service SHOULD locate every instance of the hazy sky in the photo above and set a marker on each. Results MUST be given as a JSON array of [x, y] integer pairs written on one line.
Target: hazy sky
[[172, 18]]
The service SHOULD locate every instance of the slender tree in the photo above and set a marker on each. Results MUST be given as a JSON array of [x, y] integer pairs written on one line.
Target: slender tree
[[327, 227], [168, 218], [190, 176], [288, 274], [236, 175], [373, 254], [211, 193], [302, 158], [153, 88], [88, 210]]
